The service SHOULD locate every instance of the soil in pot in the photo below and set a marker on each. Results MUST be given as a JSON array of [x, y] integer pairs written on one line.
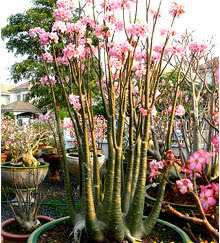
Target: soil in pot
[[172, 195], [14, 228], [12, 232], [182, 224], [61, 232]]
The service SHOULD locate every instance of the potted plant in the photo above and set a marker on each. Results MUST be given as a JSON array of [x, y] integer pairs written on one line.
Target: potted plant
[[24, 168], [72, 155], [26, 218], [128, 79]]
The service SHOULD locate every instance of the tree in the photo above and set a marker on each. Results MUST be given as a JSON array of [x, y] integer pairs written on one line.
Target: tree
[[19, 42], [128, 88]]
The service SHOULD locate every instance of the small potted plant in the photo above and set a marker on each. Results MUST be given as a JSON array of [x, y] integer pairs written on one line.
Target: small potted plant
[[26, 217], [73, 155], [23, 168]]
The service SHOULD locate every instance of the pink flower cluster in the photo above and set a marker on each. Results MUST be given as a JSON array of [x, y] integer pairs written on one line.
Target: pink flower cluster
[[198, 48], [67, 125], [62, 14], [154, 169], [59, 26], [114, 5], [44, 36], [120, 51], [167, 32], [45, 81], [66, 4], [208, 195], [176, 10], [47, 57], [71, 51], [180, 110], [74, 100], [100, 127], [44, 117], [138, 30], [215, 141], [184, 185], [198, 160], [62, 60]]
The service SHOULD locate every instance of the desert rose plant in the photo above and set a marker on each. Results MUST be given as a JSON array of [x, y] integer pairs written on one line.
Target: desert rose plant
[[21, 141], [128, 71]]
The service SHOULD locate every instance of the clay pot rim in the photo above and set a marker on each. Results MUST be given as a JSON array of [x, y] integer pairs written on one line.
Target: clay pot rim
[[7, 166], [12, 220]]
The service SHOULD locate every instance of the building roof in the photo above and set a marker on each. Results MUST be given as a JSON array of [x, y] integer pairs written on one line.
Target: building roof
[[5, 88], [20, 106], [24, 86]]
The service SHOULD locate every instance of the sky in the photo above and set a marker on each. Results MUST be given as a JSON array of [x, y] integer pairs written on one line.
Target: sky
[[200, 15]]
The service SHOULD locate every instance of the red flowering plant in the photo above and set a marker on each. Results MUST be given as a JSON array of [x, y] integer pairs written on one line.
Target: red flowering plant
[[128, 71]]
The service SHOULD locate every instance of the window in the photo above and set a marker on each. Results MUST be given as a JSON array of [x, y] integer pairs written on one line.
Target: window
[[24, 97], [18, 97]]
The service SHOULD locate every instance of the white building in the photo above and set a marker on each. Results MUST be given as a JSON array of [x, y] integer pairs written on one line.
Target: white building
[[13, 99], [6, 94]]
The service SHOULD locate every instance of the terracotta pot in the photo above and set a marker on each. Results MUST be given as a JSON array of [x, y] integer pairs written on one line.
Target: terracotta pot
[[73, 163], [4, 157], [15, 238], [54, 165], [23, 177]]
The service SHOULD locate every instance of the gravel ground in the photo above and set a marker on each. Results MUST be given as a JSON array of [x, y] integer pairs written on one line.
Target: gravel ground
[[52, 192]]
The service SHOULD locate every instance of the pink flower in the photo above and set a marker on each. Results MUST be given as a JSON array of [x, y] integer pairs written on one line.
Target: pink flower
[[36, 31], [45, 81], [184, 185], [47, 57], [163, 81], [176, 10], [139, 30], [143, 111], [215, 141], [44, 38], [216, 190], [154, 166], [217, 75], [153, 174], [74, 100], [194, 47], [169, 109], [71, 51], [59, 26], [206, 198], [196, 162], [62, 14], [67, 125], [54, 37], [180, 110], [198, 48], [44, 117], [206, 155]]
